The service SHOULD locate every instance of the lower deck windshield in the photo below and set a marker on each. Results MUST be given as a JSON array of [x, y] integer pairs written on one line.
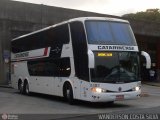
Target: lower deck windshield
[[115, 67]]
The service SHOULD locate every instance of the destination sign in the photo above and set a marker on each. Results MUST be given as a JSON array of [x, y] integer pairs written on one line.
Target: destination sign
[[103, 54], [113, 47], [116, 48]]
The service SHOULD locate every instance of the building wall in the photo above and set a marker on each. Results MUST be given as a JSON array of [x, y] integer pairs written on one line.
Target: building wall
[[4, 45]]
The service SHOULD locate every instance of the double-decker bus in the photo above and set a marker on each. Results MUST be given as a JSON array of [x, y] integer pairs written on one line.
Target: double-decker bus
[[93, 59]]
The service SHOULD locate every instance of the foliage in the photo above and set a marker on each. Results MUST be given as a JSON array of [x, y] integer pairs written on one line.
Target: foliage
[[148, 15]]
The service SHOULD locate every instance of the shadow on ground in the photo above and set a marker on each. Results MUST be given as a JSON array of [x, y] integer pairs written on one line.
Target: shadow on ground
[[97, 105]]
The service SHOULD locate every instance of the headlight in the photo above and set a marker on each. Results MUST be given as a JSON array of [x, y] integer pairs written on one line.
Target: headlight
[[98, 90], [137, 88]]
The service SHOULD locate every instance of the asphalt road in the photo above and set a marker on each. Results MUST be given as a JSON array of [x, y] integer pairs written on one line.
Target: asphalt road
[[50, 107]]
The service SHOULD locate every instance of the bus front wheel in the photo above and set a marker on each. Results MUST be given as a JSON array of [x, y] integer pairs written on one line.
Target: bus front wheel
[[68, 93]]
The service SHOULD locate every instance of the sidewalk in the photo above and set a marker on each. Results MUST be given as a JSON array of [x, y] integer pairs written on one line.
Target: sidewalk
[[157, 84], [6, 86]]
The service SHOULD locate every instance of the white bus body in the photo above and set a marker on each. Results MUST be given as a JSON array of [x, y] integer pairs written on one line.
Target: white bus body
[[78, 61]]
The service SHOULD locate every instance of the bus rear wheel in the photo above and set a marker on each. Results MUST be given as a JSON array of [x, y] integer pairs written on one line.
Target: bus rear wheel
[[68, 94], [20, 87]]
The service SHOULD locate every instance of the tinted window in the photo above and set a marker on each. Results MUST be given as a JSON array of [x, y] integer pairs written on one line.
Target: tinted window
[[55, 38], [57, 67], [57, 35], [80, 50], [49, 38], [31, 42], [103, 32]]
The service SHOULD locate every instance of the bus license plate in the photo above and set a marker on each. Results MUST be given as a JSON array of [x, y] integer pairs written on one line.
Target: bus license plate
[[119, 97]]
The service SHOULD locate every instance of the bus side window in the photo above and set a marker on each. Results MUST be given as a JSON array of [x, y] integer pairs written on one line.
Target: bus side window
[[52, 67]]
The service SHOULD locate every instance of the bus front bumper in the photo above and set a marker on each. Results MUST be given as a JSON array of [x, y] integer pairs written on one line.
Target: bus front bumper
[[106, 97]]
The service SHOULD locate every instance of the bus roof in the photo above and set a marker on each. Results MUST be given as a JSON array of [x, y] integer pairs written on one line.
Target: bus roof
[[71, 20], [98, 18]]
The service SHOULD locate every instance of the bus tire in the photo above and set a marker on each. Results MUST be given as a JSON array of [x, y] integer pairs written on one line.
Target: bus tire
[[68, 94], [26, 88], [20, 87]]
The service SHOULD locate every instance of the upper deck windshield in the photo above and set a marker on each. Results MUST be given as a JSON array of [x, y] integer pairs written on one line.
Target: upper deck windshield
[[109, 32]]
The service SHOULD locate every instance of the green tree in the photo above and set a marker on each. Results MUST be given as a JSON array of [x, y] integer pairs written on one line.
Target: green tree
[[148, 15]]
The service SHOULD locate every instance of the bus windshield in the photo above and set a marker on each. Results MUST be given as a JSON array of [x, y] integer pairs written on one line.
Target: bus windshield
[[115, 67], [108, 32]]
